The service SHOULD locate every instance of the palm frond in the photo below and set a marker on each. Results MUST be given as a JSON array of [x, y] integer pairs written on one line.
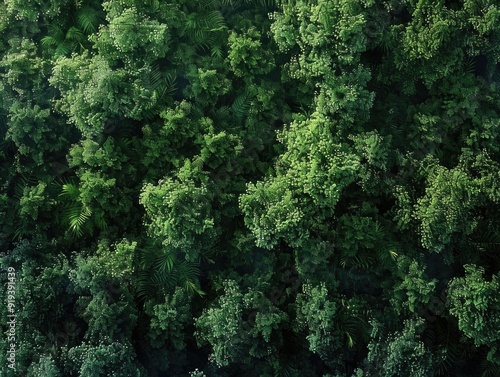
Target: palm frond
[[154, 5], [163, 280], [88, 19], [470, 66], [495, 77], [65, 48], [75, 35], [164, 262], [78, 217], [264, 3], [352, 324], [99, 221], [241, 104], [161, 270], [287, 367], [216, 52], [145, 286], [188, 277], [487, 239], [163, 85], [489, 369], [49, 41], [70, 190], [203, 28], [212, 21], [75, 216]]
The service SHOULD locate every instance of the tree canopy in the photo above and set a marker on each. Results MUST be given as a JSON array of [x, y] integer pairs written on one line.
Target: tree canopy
[[250, 187]]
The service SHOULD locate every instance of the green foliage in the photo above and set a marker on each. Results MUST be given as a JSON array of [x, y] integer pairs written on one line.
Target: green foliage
[[179, 213], [246, 55], [45, 367], [163, 269], [415, 290], [39, 299], [318, 314], [330, 324], [130, 34], [446, 207], [474, 301], [28, 129], [239, 187], [169, 320], [204, 28], [310, 178], [33, 198], [75, 214], [222, 328], [88, 19], [112, 359], [398, 354]]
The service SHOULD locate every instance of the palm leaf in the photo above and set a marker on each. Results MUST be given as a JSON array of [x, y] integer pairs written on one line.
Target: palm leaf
[[54, 37], [487, 240], [75, 216], [489, 369], [241, 105], [78, 218], [162, 84], [65, 48], [75, 35], [88, 19], [70, 191], [470, 66], [264, 3], [163, 280], [164, 263], [99, 221], [216, 52], [49, 41], [154, 5], [162, 270], [202, 28], [211, 21]]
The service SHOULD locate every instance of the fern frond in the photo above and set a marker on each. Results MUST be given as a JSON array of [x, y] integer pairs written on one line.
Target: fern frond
[[489, 369], [75, 35], [77, 217], [164, 262], [49, 41], [162, 270], [99, 221], [202, 28], [154, 5], [88, 20], [70, 190], [65, 48], [212, 21], [241, 105], [216, 52]]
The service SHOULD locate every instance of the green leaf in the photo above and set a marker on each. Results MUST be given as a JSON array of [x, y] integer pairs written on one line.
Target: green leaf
[[88, 19]]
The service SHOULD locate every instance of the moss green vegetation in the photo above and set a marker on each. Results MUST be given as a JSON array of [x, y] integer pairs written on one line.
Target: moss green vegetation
[[250, 188]]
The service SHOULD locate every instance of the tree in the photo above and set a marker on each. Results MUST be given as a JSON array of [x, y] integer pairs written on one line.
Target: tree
[[399, 353], [472, 299], [232, 340]]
